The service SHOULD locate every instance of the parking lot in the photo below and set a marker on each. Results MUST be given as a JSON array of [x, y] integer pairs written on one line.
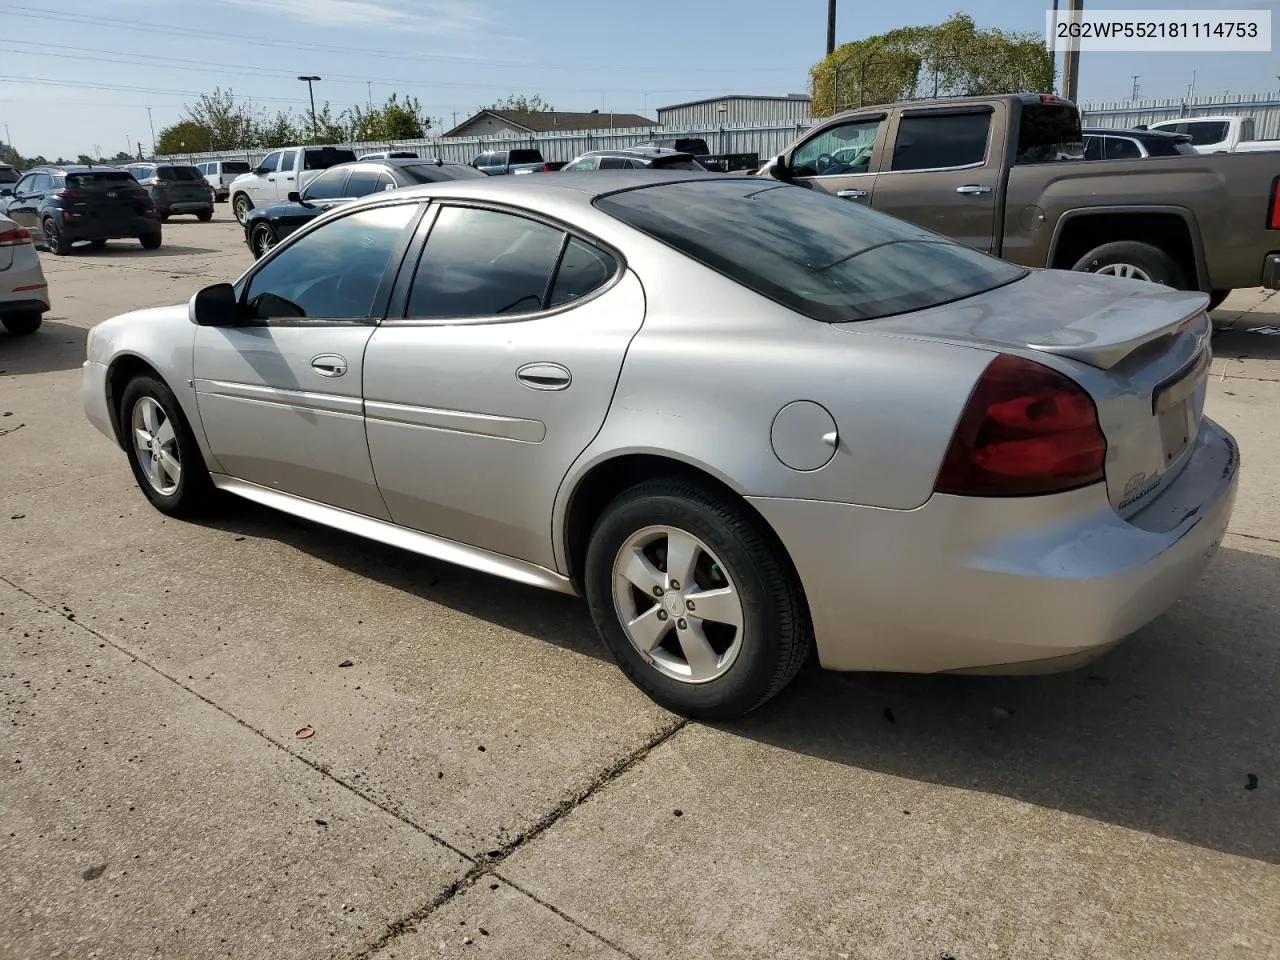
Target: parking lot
[[254, 737]]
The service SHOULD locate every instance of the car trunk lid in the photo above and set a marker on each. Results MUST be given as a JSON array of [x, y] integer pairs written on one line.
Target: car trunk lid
[[105, 193], [1140, 350]]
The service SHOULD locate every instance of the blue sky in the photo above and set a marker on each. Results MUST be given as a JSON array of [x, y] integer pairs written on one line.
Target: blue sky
[[111, 59]]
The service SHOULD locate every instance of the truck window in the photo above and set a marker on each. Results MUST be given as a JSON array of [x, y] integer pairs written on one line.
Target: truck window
[[286, 161], [837, 151], [1246, 130], [525, 156], [327, 157], [941, 140], [1049, 132], [1205, 132]]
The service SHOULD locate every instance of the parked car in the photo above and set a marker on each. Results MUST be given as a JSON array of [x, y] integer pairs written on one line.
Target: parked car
[[722, 162], [391, 155], [267, 226], [9, 175], [64, 205], [24, 292], [176, 188], [634, 158], [913, 454], [281, 173], [500, 162], [220, 174], [1219, 134], [1101, 143], [1000, 174]]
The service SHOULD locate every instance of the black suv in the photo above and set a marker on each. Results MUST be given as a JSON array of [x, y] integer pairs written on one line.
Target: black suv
[[64, 205], [175, 188]]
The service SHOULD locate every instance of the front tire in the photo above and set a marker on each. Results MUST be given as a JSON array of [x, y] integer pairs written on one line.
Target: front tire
[[698, 605], [1135, 261], [264, 239], [22, 324], [241, 207], [166, 460]]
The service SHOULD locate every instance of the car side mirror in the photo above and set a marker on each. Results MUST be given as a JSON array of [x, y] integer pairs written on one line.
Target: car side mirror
[[780, 169], [216, 306], [295, 196], [6, 191]]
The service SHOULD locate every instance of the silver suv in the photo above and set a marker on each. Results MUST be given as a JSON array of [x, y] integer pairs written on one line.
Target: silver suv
[[220, 173]]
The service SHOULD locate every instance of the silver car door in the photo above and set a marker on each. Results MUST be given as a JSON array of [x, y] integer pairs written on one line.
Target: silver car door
[[497, 377], [280, 397]]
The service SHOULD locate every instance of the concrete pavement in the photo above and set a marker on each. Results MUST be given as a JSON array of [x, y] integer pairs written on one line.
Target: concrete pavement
[[482, 780]]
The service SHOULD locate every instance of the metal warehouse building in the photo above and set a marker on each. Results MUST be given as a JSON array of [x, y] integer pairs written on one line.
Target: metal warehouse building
[[736, 111]]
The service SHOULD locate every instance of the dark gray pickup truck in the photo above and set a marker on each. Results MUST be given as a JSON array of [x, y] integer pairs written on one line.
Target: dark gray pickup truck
[[1006, 175]]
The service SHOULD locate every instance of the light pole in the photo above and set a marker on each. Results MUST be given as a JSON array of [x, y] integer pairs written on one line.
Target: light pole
[[311, 91], [152, 124], [1071, 67], [831, 27]]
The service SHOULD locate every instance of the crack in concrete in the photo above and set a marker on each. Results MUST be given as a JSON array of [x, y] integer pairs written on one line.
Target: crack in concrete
[[480, 865], [1253, 536]]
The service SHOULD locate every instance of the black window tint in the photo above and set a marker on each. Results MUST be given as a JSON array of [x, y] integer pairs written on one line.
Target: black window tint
[[941, 140], [613, 163], [178, 173], [1204, 133], [582, 270], [430, 173], [328, 185], [480, 263], [1122, 148], [822, 257], [8, 175], [1093, 148], [362, 182], [687, 163], [526, 156], [327, 157], [1048, 132], [332, 272], [106, 180], [235, 166], [270, 162], [287, 160]]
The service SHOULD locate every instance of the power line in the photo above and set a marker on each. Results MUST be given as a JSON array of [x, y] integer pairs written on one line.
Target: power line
[[135, 26], [89, 85]]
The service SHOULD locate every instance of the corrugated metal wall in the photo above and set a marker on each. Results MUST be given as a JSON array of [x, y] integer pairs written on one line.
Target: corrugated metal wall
[[743, 112], [1263, 107], [765, 140]]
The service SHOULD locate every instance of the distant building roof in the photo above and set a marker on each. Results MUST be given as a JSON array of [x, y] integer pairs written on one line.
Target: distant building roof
[[735, 96], [548, 121]]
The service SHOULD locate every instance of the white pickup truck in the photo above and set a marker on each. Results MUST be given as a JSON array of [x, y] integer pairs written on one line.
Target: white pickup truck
[[281, 173], [1219, 134]]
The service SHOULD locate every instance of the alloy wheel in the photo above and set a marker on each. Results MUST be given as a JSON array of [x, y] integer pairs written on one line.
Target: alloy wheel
[[156, 445], [1127, 270]]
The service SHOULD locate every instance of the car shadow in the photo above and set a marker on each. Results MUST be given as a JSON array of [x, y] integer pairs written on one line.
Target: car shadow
[[1246, 344], [1172, 734], [131, 249], [55, 346]]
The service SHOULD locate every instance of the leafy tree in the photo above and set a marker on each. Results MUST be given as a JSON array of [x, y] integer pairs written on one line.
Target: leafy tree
[[229, 122], [11, 156], [187, 136], [278, 131], [526, 104], [85, 159], [953, 58], [395, 120]]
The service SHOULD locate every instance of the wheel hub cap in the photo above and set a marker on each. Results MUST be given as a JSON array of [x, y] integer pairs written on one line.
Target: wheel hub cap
[[156, 444]]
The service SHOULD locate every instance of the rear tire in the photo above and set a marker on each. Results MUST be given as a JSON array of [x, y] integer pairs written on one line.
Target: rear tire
[[97, 244], [1138, 261], [263, 239], [148, 403], [241, 206], [1216, 297], [151, 241], [204, 216], [22, 324], [699, 663], [54, 241]]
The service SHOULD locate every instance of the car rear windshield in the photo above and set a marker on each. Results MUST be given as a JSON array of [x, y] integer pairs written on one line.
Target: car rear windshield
[[676, 163], [525, 156], [825, 258], [106, 179], [178, 173], [328, 157], [9, 175], [1049, 132], [430, 173], [1205, 132], [235, 166]]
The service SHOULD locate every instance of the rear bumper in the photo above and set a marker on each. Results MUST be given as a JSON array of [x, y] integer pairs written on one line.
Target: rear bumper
[[37, 301], [1271, 271], [185, 206], [979, 585], [99, 228]]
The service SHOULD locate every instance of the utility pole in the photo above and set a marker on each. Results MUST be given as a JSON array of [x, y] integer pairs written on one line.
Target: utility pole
[[369, 85], [1053, 47], [139, 150], [315, 133], [1134, 94], [831, 27], [1071, 68], [151, 123]]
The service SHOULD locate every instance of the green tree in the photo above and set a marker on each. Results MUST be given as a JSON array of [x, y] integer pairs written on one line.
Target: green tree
[[527, 104], [230, 122], [278, 131], [185, 136], [953, 58], [395, 120], [11, 156]]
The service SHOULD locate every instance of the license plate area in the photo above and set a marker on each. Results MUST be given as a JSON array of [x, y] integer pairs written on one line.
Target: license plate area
[[1172, 405]]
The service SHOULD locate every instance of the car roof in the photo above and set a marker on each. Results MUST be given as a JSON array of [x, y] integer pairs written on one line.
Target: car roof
[[77, 168], [580, 188], [648, 153]]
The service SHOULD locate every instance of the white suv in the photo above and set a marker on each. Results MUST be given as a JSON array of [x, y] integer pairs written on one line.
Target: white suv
[[220, 173]]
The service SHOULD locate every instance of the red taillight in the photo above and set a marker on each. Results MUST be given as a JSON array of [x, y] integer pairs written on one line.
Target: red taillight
[[66, 194], [15, 238], [1027, 430], [547, 168], [1273, 221]]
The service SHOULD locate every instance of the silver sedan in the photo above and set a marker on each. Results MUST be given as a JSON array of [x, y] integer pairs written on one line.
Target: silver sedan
[[742, 418]]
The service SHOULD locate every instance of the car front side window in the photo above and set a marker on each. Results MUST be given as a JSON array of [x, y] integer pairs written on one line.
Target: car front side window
[[269, 163], [837, 151], [328, 185], [332, 273]]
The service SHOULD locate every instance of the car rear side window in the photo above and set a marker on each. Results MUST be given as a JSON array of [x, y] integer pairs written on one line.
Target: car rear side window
[[1121, 148], [484, 263], [583, 269], [362, 182], [614, 163], [934, 141], [8, 175], [820, 256]]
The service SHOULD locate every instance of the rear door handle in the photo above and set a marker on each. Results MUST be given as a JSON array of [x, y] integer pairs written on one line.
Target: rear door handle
[[329, 365], [973, 188], [851, 194], [544, 376]]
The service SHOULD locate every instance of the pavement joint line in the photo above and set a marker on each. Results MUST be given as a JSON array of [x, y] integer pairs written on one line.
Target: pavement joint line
[[480, 865], [1254, 536]]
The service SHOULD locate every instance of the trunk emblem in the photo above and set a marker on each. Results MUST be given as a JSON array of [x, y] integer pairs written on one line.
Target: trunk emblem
[[111, 194]]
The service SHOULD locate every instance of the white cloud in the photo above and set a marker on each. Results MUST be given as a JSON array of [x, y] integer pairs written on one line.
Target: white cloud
[[418, 16]]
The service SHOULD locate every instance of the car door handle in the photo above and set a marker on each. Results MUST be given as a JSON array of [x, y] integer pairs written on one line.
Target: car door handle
[[288, 178], [329, 365], [544, 376], [973, 188], [851, 194]]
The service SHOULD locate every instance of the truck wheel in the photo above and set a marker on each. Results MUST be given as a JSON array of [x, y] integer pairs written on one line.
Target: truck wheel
[[241, 206], [1216, 297], [1136, 261]]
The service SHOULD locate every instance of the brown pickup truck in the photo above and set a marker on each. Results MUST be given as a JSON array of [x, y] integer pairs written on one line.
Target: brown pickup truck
[[1007, 175]]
